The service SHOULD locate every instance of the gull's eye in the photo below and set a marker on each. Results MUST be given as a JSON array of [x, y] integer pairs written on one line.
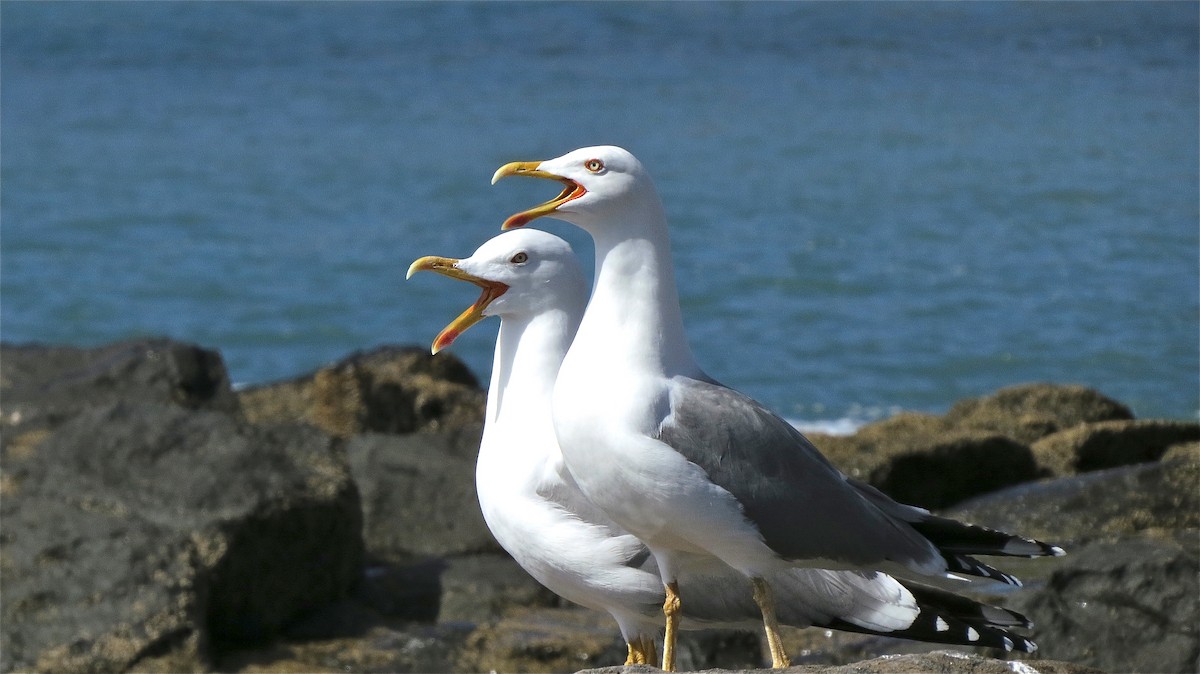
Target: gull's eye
[[594, 165], [519, 258]]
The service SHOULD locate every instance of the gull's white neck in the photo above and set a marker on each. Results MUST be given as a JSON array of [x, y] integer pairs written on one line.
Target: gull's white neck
[[634, 310], [529, 352]]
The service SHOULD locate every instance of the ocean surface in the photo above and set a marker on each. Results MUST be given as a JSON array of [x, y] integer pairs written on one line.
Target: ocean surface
[[874, 207]]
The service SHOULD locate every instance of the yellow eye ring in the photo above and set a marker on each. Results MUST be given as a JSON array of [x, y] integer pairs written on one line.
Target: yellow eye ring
[[594, 165]]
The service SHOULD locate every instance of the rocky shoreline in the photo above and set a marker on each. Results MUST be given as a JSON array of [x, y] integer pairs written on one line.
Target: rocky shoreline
[[154, 519]]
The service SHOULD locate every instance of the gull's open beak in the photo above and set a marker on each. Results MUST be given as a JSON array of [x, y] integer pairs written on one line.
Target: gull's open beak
[[571, 190], [448, 266]]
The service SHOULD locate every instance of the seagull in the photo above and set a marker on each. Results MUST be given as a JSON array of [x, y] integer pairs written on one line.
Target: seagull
[[688, 465], [533, 282]]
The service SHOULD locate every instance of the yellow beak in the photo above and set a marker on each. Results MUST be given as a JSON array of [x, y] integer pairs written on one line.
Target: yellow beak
[[447, 266], [571, 190]]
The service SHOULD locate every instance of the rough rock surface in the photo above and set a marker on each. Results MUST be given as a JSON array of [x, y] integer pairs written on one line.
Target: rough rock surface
[[1126, 598], [137, 534], [156, 521], [1115, 502], [1031, 411], [920, 459], [1108, 444], [41, 386], [1119, 603], [418, 494], [937, 662], [984, 444], [387, 390]]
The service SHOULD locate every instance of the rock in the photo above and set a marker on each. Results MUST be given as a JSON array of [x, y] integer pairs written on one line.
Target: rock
[[408, 592], [1114, 502], [544, 640], [142, 536], [382, 648], [479, 588], [42, 386], [1125, 596], [418, 494], [1129, 605], [565, 639], [1186, 451], [954, 468], [937, 662], [919, 459], [861, 454], [388, 390], [1031, 411], [1108, 444]]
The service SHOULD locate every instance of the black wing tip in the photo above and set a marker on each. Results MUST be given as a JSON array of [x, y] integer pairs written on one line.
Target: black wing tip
[[954, 537], [938, 626], [970, 566], [1019, 548], [944, 629]]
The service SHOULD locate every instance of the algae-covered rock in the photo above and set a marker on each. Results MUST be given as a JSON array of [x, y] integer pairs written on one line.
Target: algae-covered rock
[[388, 390], [1030, 411], [921, 460], [1108, 444]]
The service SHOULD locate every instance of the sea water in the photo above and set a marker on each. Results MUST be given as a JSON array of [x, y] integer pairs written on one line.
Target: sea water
[[874, 206]]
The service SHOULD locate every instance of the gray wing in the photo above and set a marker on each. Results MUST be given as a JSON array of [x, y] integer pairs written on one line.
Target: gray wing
[[803, 507]]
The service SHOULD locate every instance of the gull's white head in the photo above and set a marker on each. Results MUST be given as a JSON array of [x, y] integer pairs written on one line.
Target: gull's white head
[[602, 184], [522, 273]]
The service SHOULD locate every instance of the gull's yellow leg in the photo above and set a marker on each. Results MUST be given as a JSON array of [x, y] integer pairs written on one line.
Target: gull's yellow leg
[[641, 651], [671, 611], [766, 604]]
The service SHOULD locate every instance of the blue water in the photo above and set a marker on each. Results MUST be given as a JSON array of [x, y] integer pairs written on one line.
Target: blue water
[[874, 206]]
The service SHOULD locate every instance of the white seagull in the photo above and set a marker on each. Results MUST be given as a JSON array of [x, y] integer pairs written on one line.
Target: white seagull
[[688, 465], [533, 282]]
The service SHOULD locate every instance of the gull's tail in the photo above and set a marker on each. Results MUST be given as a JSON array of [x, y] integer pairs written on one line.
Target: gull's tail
[[946, 618]]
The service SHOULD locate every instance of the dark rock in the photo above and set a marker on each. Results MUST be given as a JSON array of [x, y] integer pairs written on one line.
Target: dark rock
[[382, 648], [409, 592], [1031, 411], [479, 588], [955, 468], [142, 536], [1114, 502], [1129, 605], [544, 640], [45, 385], [705, 649], [1125, 596], [918, 459], [388, 390], [1108, 444], [418, 494], [937, 662]]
